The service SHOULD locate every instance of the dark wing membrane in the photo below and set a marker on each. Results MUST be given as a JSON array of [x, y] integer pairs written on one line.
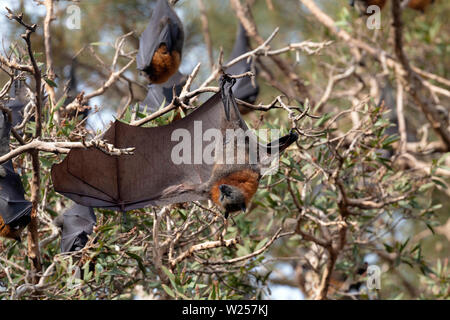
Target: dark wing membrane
[[243, 89], [178, 80], [157, 93], [78, 223], [154, 98], [13, 205], [176, 29], [92, 178], [164, 27]]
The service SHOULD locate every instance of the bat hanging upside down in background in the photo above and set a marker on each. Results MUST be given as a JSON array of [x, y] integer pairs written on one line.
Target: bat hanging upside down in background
[[15, 211], [165, 167], [245, 89], [362, 5], [76, 223], [161, 44], [419, 5]]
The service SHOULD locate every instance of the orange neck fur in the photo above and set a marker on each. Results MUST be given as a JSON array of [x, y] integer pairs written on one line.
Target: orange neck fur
[[164, 64]]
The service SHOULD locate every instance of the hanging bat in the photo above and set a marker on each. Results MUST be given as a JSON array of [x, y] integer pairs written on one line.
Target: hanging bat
[[161, 44], [387, 98], [17, 102], [243, 89], [160, 95], [15, 211], [362, 5], [419, 5], [168, 166], [71, 91], [352, 282], [76, 223]]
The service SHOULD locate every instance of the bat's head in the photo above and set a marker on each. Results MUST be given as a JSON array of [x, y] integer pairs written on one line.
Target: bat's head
[[231, 198], [16, 228], [13, 233]]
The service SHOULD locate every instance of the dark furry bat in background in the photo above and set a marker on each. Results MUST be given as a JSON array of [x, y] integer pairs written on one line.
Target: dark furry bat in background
[[15, 211], [17, 101], [76, 223], [243, 89], [161, 44]]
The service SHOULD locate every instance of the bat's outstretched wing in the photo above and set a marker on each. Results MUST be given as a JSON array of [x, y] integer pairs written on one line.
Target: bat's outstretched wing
[[244, 88], [164, 27], [77, 223], [165, 157], [159, 93], [170, 164]]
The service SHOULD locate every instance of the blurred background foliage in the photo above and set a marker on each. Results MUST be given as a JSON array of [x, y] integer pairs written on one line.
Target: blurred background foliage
[[400, 238]]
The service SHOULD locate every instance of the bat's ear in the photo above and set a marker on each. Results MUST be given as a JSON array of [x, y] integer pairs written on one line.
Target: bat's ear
[[243, 208]]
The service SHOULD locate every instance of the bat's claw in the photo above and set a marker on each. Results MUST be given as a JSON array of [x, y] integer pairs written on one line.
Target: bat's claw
[[177, 189]]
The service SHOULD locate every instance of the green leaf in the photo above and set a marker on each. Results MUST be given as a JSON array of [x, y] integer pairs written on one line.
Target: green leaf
[[390, 140], [426, 186], [441, 160], [98, 43], [212, 295], [402, 246], [60, 102], [138, 260], [261, 244], [169, 291], [322, 120], [439, 182], [388, 248], [51, 83], [430, 227], [169, 274]]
